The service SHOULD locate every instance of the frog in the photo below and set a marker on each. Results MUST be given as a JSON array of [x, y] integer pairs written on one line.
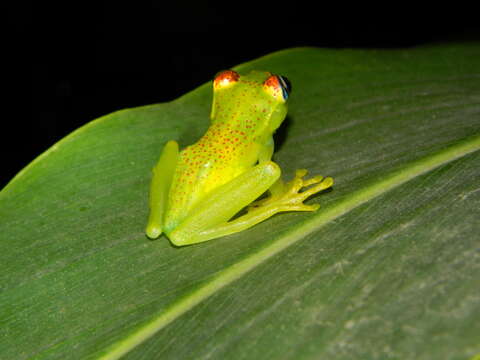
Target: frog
[[217, 186]]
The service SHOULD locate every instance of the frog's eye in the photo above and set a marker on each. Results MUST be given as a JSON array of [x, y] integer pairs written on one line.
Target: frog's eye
[[286, 86], [225, 78], [278, 86]]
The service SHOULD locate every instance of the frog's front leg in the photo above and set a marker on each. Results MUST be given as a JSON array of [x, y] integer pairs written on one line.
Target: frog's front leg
[[159, 188]]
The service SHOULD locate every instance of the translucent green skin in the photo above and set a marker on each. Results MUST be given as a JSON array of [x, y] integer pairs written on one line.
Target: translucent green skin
[[196, 192]]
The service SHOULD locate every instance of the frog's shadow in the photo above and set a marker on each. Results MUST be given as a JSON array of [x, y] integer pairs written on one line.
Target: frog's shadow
[[281, 134]]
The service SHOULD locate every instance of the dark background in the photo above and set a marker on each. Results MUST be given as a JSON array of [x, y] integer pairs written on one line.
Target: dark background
[[69, 64]]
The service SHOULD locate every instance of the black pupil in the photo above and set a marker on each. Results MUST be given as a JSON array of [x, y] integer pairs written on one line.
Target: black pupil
[[286, 86]]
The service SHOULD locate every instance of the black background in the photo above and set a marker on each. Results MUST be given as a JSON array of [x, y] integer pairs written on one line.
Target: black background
[[68, 64]]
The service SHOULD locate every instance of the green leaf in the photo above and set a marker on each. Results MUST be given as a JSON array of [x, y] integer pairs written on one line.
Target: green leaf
[[388, 268]]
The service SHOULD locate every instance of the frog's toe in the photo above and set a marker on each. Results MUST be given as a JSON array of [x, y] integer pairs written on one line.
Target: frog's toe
[[294, 198], [321, 185]]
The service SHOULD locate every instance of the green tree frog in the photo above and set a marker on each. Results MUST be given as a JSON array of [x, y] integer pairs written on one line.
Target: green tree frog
[[195, 193]]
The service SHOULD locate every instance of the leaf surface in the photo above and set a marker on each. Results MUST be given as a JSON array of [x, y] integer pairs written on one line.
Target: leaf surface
[[388, 268]]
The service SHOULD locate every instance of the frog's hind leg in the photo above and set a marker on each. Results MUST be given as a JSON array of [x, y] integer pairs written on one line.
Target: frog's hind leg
[[159, 188], [223, 203], [284, 197]]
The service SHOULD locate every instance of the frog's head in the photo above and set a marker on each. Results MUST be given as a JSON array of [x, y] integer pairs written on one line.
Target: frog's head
[[258, 95]]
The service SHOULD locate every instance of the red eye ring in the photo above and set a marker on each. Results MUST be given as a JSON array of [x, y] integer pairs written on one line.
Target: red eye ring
[[278, 85], [225, 78]]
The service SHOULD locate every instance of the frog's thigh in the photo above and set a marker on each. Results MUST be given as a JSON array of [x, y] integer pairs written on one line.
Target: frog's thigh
[[160, 187], [223, 203]]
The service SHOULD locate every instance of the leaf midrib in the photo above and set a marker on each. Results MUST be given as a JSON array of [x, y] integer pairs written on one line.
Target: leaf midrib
[[290, 237]]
